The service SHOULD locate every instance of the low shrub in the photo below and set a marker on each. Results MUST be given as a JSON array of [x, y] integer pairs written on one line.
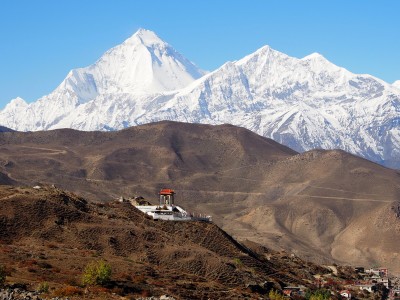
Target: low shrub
[[320, 294], [275, 295], [237, 262], [44, 265], [32, 270], [97, 273], [2, 275], [43, 287]]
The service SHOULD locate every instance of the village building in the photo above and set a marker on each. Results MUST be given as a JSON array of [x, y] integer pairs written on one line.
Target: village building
[[366, 287], [167, 210], [346, 294], [359, 269], [384, 281], [291, 291], [394, 294], [382, 272]]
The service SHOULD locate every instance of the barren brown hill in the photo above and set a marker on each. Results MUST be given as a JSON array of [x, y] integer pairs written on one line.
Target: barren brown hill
[[322, 205], [49, 235]]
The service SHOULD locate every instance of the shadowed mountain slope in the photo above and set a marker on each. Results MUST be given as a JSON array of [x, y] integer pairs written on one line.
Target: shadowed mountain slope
[[322, 205], [50, 235]]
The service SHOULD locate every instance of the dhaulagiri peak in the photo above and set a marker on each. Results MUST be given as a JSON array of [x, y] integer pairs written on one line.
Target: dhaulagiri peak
[[145, 37]]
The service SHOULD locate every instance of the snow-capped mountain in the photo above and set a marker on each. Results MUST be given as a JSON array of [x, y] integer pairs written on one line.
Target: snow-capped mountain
[[397, 84], [141, 65], [303, 103]]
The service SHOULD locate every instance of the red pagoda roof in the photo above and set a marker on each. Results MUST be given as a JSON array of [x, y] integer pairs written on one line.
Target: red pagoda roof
[[167, 192]]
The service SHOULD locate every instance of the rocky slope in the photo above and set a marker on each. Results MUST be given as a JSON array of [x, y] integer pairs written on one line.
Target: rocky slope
[[321, 205], [48, 235]]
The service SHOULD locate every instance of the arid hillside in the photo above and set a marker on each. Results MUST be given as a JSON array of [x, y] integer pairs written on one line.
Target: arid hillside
[[49, 235], [320, 205]]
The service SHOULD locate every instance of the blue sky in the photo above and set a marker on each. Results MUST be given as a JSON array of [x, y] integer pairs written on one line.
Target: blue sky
[[40, 41]]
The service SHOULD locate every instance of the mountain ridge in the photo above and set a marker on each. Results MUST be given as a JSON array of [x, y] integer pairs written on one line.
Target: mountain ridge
[[303, 103], [142, 65], [322, 205], [70, 232]]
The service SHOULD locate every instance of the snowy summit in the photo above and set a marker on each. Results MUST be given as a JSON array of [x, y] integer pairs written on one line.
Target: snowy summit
[[303, 103], [142, 65]]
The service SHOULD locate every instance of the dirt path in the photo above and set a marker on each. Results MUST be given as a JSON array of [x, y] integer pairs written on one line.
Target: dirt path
[[51, 151], [349, 199], [332, 189]]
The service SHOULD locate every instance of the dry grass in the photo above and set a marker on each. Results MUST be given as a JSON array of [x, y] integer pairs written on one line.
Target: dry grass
[[253, 187], [67, 291]]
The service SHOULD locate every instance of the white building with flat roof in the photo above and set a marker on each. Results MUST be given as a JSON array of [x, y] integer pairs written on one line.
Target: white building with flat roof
[[168, 211]]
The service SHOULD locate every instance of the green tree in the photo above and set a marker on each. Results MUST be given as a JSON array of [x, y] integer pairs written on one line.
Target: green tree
[[97, 273], [321, 294], [43, 287]]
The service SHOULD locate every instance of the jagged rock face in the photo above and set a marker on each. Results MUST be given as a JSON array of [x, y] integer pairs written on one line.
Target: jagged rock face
[[303, 103]]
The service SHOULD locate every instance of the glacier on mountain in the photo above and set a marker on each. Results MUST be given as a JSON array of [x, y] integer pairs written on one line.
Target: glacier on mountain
[[303, 103]]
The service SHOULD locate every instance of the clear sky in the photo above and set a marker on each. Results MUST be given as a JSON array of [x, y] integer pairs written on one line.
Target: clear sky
[[41, 40]]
